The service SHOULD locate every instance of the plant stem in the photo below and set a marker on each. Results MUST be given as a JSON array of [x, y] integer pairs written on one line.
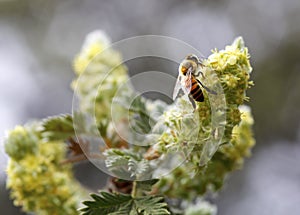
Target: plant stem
[[134, 189]]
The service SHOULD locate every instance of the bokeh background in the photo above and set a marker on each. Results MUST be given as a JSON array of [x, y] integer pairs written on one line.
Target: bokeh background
[[39, 39]]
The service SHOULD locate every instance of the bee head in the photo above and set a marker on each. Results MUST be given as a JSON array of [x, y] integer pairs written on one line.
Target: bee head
[[189, 63], [193, 58]]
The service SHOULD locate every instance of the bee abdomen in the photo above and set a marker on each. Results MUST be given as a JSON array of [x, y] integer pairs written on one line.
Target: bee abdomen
[[196, 92]]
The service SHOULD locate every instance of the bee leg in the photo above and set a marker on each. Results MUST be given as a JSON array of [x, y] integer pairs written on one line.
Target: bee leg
[[200, 73], [206, 88], [192, 101]]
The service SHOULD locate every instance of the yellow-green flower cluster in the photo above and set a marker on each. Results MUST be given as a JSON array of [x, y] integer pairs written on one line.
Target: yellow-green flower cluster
[[20, 143], [100, 72], [233, 69], [242, 140], [180, 127], [38, 181], [201, 208], [189, 181]]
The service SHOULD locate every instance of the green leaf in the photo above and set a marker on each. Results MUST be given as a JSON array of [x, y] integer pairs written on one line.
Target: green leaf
[[139, 168], [57, 128], [146, 186], [140, 119], [127, 164], [151, 205], [107, 203], [121, 204], [117, 162]]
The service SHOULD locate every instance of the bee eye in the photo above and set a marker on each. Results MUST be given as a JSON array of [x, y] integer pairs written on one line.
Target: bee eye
[[189, 65]]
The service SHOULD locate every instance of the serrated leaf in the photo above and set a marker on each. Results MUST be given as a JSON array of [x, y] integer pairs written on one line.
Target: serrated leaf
[[121, 204], [140, 120], [152, 205], [139, 168], [107, 203], [57, 128], [146, 186], [117, 162], [126, 164]]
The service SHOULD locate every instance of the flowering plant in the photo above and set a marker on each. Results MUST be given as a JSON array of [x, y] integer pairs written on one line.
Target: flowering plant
[[209, 140]]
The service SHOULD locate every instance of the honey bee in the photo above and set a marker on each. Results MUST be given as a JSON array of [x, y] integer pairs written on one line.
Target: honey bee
[[189, 70]]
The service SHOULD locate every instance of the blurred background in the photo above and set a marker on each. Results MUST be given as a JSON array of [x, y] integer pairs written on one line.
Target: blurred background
[[39, 39]]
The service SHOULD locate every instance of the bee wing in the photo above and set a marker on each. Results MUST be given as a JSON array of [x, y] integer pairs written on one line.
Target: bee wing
[[177, 87], [188, 82], [184, 83]]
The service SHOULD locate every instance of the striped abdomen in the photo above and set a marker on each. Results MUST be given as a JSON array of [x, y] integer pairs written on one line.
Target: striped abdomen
[[196, 91]]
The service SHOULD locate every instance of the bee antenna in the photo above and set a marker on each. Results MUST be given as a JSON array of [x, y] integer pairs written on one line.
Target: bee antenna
[[200, 63]]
